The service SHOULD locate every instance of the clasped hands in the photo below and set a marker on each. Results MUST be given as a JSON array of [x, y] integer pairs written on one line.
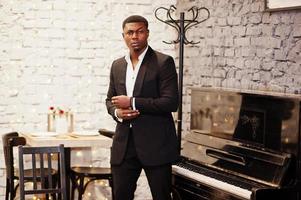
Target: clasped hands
[[124, 109]]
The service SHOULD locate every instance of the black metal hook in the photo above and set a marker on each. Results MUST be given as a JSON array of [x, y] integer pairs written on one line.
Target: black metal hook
[[176, 23]]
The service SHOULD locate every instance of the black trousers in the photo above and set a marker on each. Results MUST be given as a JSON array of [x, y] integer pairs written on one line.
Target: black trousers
[[126, 174]]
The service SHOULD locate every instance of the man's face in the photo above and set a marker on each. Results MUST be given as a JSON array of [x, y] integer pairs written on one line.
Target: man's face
[[135, 35]]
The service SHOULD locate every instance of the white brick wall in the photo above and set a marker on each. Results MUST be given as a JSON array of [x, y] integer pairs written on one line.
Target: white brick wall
[[242, 46], [58, 53]]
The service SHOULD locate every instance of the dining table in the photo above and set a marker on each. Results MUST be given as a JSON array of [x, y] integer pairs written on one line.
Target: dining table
[[78, 145]]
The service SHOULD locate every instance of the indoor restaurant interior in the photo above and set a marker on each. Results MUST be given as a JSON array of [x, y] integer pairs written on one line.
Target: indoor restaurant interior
[[237, 123]]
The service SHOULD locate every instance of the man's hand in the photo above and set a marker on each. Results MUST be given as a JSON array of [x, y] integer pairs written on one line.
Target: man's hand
[[121, 101], [127, 114]]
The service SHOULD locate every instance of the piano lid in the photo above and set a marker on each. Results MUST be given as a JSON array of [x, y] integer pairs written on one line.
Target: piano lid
[[245, 134]]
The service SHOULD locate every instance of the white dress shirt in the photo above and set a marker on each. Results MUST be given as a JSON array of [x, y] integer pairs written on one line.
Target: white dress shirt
[[131, 75]]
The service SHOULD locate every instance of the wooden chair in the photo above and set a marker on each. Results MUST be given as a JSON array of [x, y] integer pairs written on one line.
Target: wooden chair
[[11, 140], [78, 174], [38, 157], [11, 175]]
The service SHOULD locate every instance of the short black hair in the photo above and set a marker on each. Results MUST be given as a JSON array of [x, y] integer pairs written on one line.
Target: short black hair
[[135, 18]]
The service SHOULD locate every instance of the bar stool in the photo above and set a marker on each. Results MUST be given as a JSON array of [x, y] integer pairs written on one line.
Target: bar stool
[[78, 174]]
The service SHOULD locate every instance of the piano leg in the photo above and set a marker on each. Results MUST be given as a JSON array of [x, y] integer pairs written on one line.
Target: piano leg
[[175, 194]]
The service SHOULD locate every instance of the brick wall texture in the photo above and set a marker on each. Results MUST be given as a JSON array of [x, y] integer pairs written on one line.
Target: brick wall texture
[[59, 52], [242, 46]]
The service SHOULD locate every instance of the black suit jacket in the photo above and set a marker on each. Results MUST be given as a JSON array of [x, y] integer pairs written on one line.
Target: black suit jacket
[[156, 96]]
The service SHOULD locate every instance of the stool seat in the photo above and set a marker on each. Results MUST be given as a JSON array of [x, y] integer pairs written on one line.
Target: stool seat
[[78, 174], [93, 171]]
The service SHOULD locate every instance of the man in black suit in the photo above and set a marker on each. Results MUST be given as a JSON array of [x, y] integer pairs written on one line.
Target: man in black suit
[[143, 92]]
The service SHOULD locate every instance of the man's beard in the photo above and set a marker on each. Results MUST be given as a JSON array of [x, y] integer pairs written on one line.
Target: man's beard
[[139, 48]]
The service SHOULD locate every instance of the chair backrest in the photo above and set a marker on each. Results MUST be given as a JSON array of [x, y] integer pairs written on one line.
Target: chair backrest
[[43, 158], [10, 140], [106, 132]]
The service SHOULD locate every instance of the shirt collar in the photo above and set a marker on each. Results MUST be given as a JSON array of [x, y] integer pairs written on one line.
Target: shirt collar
[[140, 57]]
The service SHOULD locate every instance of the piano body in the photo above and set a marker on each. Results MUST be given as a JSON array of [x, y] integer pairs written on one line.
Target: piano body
[[241, 146]]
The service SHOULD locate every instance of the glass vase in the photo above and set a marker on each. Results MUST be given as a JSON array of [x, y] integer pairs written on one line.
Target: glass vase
[[60, 123]]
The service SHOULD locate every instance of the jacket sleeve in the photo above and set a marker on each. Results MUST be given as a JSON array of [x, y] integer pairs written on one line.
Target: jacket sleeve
[[111, 92], [167, 84]]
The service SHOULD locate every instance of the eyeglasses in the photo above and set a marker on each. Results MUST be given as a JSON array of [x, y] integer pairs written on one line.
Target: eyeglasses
[[130, 33]]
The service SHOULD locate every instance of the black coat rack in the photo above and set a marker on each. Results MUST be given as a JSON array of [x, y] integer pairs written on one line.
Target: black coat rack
[[181, 25]]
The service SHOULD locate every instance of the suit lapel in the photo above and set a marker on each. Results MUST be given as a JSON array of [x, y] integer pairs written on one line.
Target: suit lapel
[[123, 77], [141, 73]]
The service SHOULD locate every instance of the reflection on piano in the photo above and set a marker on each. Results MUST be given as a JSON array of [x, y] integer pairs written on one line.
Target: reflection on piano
[[241, 146]]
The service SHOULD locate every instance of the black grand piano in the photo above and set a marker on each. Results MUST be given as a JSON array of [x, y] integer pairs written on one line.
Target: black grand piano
[[242, 145]]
